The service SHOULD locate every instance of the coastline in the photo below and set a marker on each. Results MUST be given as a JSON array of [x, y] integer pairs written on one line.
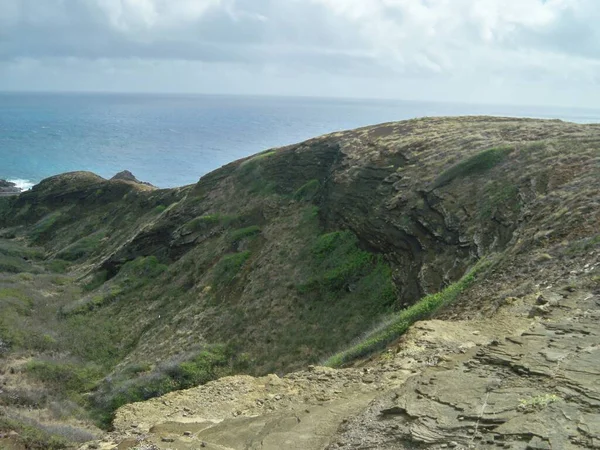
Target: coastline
[[9, 188]]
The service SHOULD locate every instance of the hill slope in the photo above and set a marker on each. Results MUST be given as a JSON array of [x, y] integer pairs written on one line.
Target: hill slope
[[285, 258]]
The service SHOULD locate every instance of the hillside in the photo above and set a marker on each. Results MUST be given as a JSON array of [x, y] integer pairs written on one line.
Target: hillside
[[324, 252]]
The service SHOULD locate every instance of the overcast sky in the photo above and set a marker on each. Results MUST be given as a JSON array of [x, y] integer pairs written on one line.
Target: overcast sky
[[487, 51]]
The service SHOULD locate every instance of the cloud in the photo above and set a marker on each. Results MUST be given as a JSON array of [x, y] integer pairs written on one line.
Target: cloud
[[452, 44]]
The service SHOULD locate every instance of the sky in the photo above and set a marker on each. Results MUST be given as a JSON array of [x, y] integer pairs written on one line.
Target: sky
[[536, 52]]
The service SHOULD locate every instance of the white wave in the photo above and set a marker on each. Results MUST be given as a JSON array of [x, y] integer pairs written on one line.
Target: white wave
[[25, 185]]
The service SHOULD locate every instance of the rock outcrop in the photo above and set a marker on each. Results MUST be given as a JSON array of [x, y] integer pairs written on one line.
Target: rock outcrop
[[8, 188], [126, 175]]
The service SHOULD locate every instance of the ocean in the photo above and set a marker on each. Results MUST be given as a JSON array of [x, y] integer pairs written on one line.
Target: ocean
[[172, 140]]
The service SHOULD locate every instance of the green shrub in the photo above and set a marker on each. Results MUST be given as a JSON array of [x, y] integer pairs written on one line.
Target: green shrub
[[242, 233], [159, 209], [228, 267], [476, 164], [392, 329]]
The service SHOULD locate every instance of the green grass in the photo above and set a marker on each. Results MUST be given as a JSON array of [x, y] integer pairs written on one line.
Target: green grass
[[58, 266], [243, 233], [140, 271], [479, 163], [337, 262], [44, 226], [497, 195], [208, 221], [228, 267], [583, 245], [83, 247], [307, 191], [33, 438], [64, 377], [391, 330]]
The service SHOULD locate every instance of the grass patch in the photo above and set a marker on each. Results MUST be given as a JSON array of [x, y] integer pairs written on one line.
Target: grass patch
[[65, 377], [308, 191], [58, 266], [496, 195], [32, 437], [13, 264], [251, 175], [140, 271], [243, 233], [391, 330], [208, 221], [476, 164], [583, 245], [339, 261], [83, 247], [43, 227], [228, 267]]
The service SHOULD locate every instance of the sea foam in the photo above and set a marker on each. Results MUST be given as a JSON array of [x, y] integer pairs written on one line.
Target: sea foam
[[24, 185]]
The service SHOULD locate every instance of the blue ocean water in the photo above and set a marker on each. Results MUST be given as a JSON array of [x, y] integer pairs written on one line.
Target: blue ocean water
[[172, 140]]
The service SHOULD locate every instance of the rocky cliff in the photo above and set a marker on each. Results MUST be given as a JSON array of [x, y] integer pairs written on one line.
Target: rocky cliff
[[326, 252]]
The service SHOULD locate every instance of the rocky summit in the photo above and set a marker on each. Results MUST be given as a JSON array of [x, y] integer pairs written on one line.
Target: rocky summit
[[426, 284]]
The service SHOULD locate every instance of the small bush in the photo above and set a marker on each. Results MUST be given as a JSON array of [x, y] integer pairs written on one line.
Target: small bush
[[159, 209], [537, 403], [476, 164]]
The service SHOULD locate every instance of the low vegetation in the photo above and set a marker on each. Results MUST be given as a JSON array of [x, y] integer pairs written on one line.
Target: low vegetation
[[479, 163], [209, 364], [397, 325]]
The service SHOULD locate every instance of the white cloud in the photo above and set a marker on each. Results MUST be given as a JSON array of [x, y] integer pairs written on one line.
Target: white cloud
[[499, 49]]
